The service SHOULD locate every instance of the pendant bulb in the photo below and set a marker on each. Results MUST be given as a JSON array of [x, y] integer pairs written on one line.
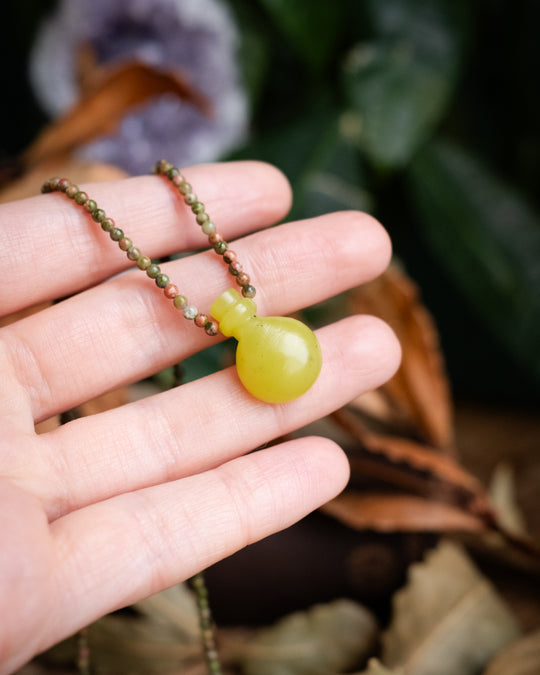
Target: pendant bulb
[[278, 358]]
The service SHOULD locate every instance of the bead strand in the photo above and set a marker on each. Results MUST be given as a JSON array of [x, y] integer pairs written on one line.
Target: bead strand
[[152, 270], [216, 241]]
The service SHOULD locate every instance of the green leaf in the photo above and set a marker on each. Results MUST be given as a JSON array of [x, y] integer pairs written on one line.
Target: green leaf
[[311, 27], [399, 84], [327, 639], [488, 239], [448, 619]]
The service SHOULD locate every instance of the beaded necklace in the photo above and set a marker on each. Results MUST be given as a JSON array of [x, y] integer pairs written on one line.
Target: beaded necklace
[[278, 358]]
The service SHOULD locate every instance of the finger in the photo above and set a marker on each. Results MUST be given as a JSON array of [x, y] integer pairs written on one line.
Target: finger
[[51, 248], [125, 330], [119, 551], [199, 425]]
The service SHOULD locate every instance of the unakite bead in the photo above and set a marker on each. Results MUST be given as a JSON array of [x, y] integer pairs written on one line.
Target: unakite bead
[[133, 253], [190, 198], [220, 247], [125, 243], [80, 197], [143, 262], [197, 207], [208, 227], [202, 218], [180, 301], [190, 311], [98, 215], [153, 270], [107, 224], [249, 291], [90, 205], [172, 172], [162, 280], [71, 191], [116, 234], [184, 188]]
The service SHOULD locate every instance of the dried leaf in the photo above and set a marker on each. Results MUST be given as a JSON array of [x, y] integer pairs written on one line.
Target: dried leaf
[[175, 607], [102, 106], [399, 513], [325, 639], [419, 391], [519, 658], [503, 496], [29, 184], [448, 619]]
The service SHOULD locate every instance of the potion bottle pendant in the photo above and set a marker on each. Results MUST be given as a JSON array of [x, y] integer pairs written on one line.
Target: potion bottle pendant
[[277, 358]]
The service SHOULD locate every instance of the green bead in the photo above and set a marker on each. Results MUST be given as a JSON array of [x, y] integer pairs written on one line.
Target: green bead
[[197, 207], [162, 280], [184, 188], [80, 197], [220, 247], [248, 291], [208, 227], [190, 198], [180, 301], [202, 218], [133, 253], [153, 270], [143, 262], [90, 205], [172, 172], [116, 234], [125, 243], [107, 224], [98, 215]]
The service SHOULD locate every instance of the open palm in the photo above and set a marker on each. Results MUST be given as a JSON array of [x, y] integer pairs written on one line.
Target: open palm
[[108, 509]]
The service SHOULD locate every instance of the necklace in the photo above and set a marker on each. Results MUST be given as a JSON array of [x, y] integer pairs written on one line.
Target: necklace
[[278, 358]]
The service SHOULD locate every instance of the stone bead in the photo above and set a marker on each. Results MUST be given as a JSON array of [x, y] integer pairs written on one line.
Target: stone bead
[[63, 184], [71, 191], [153, 270], [184, 187], [220, 247], [242, 279], [190, 198], [176, 180], [162, 280], [163, 166], [211, 328], [116, 234], [180, 301], [235, 268], [229, 256], [171, 291], [190, 311], [107, 224], [197, 207], [202, 218], [125, 243], [201, 320], [248, 291], [90, 205], [98, 215], [172, 172], [133, 253], [208, 227], [53, 182], [143, 262], [80, 197]]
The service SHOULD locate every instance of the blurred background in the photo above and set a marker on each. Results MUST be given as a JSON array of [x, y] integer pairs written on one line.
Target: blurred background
[[425, 113]]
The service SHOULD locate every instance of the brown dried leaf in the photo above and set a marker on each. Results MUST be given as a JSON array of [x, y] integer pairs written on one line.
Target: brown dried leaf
[[419, 391], [399, 513], [448, 619], [29, 184], [414, 467], [519, 658], [103, 105]]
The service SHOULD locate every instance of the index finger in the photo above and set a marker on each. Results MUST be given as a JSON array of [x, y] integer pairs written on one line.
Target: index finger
[[49, 248]]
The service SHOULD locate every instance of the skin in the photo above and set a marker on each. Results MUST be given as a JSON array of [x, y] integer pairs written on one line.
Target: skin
[[109, 509]]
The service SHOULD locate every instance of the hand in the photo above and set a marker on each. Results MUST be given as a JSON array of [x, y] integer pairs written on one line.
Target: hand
[[109, 509]]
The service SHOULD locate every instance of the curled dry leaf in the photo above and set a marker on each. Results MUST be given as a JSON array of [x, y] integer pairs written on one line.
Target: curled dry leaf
[[399, 513], [419, 392], [448, 619], [102, 105], [325, 639], [519, 658]]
